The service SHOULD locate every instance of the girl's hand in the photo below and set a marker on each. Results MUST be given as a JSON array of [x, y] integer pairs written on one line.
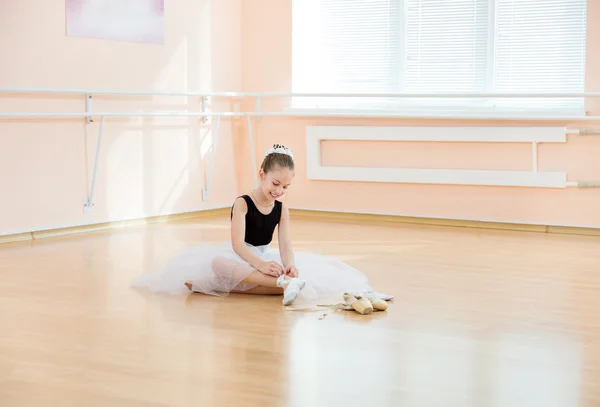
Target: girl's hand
[[292, 271], [271, 268]]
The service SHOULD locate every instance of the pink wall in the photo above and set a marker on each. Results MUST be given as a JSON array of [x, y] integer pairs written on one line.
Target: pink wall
[[267, 65], [147, 166], [158, 166]]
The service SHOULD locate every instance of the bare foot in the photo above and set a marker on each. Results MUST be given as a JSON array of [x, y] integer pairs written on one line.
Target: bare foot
[[188, 285]]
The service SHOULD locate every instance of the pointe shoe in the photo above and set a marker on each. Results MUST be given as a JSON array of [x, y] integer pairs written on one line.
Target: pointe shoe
[[372, 295], [379, 304], [360, 304], [292, 290]]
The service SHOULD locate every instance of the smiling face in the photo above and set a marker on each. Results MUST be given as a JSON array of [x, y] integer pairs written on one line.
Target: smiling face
[[275, 183], [276, 174]]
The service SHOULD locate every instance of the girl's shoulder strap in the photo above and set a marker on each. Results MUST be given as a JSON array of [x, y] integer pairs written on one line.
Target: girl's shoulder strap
[[246, 198], [279, 208]]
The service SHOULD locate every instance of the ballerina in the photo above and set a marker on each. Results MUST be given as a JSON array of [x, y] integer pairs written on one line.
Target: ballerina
[[249, 265]]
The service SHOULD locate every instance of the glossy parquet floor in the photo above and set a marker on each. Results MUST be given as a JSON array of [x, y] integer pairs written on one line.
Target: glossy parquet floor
[[481, 318]]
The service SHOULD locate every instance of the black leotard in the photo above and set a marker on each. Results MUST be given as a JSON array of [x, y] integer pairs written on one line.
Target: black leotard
[[260, 227]]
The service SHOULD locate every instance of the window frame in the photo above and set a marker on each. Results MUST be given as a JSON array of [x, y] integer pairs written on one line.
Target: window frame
[[480, 106]]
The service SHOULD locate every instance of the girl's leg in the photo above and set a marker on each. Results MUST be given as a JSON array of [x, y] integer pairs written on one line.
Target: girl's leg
[[262, 280], [265, 285], [289, 287], [228, 269], [260, 290]]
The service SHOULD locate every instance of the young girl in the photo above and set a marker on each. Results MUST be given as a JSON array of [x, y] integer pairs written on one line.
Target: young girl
[[248, 265]]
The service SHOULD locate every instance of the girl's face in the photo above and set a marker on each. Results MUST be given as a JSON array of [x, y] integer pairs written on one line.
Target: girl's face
[[275, 183]]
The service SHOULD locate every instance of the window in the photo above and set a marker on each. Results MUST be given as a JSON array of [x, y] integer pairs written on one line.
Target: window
[[439, 46]]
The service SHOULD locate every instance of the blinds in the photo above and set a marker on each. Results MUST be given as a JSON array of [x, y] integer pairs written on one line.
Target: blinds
[[437, 46], [350, 45], [540, 47], [446, 45], [368, 29]]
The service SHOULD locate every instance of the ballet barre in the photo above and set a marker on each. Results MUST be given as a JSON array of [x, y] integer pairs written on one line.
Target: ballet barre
[[256, 114], [79, 91], [358, 114]]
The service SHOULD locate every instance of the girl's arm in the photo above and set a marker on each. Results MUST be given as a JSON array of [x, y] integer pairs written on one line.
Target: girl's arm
[[238, 231], [285, 241]]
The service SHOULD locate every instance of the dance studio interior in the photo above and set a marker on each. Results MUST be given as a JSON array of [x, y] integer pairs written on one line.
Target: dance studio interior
[[293, 203]]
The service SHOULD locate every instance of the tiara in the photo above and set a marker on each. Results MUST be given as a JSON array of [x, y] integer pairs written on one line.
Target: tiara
[[279, 149]]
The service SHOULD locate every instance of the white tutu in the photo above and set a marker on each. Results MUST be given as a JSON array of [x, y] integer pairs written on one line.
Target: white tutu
[[219, 270]]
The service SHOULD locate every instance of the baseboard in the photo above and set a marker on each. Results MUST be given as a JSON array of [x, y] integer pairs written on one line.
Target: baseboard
[[385, 219], [567, 230], [18, 237], [321, 215], [43, 234]]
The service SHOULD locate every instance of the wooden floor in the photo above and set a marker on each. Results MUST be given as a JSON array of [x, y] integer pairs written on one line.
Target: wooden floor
[[481, 318]]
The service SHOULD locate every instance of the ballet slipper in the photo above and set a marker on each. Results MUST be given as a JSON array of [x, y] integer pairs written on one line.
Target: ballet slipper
[[360, 304], [379, 304], [349, 295], [373, 294]]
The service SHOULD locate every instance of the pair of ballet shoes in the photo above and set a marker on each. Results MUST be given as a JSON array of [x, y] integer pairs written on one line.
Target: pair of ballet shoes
[[362, 304]]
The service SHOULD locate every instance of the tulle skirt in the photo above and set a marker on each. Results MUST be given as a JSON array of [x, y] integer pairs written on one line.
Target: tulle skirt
[[219, 270]]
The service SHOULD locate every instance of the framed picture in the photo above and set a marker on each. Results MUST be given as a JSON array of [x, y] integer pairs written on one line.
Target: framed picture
[[120, 20]]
